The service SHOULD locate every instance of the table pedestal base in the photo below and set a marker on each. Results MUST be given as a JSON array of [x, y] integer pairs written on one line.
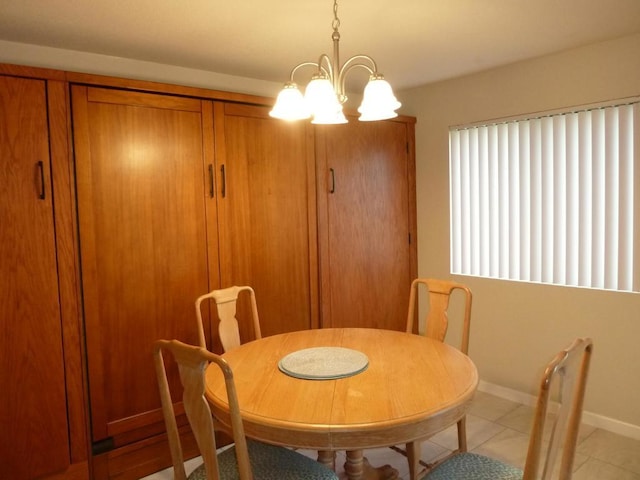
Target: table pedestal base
[[357, 467]]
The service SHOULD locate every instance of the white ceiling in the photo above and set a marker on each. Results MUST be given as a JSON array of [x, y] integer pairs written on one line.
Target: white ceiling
[[414, 42]]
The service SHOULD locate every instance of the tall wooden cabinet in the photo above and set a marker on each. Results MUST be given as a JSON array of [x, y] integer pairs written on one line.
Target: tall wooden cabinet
[[41, 408], [145, 217], [367, 225], [267, 214], [178, 196]]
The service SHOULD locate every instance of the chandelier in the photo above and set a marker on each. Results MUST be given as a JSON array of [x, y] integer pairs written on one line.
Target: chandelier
[[325, 94]]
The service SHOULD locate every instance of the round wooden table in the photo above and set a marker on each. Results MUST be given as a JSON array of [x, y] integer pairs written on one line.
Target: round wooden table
[[412, 388]]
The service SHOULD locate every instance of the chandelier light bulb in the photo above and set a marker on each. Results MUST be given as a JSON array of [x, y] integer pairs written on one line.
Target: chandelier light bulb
[[378, 102], [328, 117], [290, 104], [320, 95]]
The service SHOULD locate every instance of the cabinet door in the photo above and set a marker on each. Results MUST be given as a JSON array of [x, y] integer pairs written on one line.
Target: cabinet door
[[34, 438], [143, 202], [267, 215], [365, 208]]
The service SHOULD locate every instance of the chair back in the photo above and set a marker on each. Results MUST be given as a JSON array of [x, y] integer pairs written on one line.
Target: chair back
[[437, 319], [192, 362], [226, 300], [565, 378]]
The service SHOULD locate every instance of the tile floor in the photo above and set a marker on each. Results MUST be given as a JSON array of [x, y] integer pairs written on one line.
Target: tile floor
[[500, 428]]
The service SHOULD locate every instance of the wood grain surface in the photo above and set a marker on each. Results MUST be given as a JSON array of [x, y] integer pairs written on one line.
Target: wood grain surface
[[414, 386]]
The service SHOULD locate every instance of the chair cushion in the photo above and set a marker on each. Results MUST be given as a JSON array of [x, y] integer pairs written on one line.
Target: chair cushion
[[269, 462], [473, 466]]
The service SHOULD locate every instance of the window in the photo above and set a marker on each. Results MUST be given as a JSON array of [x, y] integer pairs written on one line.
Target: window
[[552, 199]]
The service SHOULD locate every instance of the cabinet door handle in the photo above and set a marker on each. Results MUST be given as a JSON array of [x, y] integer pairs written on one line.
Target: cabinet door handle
[[211, 191], [40, 167], [333, 180], [223, 188]]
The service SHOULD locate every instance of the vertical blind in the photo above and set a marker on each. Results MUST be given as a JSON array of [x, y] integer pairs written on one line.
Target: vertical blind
[[552, 199]]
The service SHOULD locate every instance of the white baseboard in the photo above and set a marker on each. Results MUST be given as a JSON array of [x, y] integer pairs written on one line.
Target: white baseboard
[[593, 419]]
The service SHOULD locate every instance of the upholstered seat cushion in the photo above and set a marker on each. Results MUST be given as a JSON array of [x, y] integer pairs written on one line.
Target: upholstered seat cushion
[[269, 462], [471, 466]]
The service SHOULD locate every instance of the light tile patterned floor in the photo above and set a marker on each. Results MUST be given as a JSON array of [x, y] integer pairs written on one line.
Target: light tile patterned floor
[[500, 428]]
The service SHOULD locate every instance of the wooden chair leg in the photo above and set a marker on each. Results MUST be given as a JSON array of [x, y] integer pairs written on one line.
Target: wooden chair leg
[[462, 434], [413, 457]]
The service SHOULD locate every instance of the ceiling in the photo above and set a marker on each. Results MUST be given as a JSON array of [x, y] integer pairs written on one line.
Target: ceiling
[[414, 42]]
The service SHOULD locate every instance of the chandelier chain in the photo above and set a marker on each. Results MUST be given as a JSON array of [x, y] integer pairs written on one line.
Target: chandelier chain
[[336, 21]]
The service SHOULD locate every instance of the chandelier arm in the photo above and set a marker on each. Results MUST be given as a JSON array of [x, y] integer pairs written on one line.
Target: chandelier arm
[[317, 65], [347, 67], [348, 64], [329, 70]]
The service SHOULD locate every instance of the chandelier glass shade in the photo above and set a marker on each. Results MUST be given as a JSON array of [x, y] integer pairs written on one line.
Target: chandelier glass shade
[[325, 94]]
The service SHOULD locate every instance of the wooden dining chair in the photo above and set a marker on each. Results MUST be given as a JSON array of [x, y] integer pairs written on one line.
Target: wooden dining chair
[[565, 379], [436, 325], [246, 459], [226, 300]]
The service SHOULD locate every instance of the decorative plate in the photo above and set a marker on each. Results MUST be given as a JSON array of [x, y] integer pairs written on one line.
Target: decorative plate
[[324, 363]]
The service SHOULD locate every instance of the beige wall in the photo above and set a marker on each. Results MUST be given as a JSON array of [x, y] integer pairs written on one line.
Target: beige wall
[[517, 327]]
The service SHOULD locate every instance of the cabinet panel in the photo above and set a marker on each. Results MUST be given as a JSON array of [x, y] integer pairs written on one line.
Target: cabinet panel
[[267, 215], [142, 205], [365, 209], [34, 439]]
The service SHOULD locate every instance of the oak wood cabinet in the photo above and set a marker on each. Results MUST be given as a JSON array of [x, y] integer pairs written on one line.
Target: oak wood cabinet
[[367, 225], [144, 220], [177, 196], [267, 214], [42, 406]]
